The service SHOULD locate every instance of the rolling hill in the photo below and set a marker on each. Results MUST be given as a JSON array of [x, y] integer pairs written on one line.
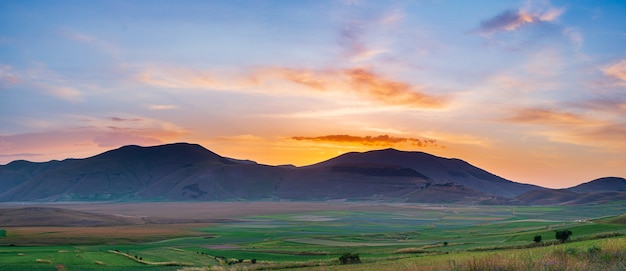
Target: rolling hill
[[606, 184], [182, 172]]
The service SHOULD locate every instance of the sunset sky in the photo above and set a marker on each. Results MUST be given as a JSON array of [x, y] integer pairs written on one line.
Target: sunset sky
[[532, 91]]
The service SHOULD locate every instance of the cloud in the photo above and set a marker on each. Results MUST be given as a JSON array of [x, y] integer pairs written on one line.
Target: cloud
[[617, 70], [8, 76], [42, 79], [546, 116], [180, 78], [365, 84], [613, 104], [87, 136], [575, 37], [511, 20], [102, 45], [65, 93], [162, 106], [573, 128], [271, 80], [371, 85], [381, 140], [123, 119]]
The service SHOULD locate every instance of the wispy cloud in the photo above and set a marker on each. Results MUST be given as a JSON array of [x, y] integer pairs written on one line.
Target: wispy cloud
[[162, 106], [41, 78], [573, 128], [617, 70], [181, 78], [91, 40], [363, 82], [88, 135], [547, 116], [117, 119], [7, 76], [379, 141], [389, 91], [65, 93], [366, 35], [511, 20]]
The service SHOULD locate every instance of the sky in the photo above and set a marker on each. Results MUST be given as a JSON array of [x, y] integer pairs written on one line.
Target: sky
[[532, 91]]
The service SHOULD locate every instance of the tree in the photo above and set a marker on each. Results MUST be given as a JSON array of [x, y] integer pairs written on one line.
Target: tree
[[349, 258], [563, 235], [537, 239]]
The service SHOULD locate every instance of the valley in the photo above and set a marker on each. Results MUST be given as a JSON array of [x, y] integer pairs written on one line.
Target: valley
[[277, 235]]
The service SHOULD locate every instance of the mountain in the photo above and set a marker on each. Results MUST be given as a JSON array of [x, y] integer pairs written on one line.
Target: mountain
[[182, 171], [178, 171], [606, 184], [436, 169]]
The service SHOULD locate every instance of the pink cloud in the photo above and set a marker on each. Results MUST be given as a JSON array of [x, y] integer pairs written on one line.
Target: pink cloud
[[510, 20]]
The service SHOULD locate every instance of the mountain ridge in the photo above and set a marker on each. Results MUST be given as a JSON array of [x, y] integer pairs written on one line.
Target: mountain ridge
[[185, 171]]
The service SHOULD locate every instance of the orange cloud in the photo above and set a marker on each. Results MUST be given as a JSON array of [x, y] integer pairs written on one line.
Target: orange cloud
[[363, 82], [547, 116], [369, 84], [381, 140], [307, 78]]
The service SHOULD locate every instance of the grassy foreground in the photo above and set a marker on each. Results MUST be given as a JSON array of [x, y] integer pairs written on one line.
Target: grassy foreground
[[605, 254]]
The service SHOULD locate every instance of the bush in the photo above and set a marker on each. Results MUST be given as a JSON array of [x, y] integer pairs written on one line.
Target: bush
[[349, 258], [563, 235], [537, 239]]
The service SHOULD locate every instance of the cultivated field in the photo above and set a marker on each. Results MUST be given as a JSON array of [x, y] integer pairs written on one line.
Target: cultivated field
[[312, 236]]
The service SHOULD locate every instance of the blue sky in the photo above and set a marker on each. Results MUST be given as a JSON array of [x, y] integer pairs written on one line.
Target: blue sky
[[534, 91]]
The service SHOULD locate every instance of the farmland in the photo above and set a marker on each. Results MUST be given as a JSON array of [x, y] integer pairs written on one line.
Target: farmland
[[257, 235]]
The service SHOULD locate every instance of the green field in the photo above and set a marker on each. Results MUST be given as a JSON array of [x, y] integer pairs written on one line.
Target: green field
[[404, 236]]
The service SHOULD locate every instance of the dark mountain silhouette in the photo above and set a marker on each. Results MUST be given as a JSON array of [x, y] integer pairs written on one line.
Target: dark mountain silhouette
[[182, 171], [437, 169], [606, 184]]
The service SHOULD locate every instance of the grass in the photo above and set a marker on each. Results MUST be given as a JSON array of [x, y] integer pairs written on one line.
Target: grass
[[410, 237]]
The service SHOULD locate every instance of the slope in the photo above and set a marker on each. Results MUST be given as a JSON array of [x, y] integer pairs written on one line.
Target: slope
[[436, 169]]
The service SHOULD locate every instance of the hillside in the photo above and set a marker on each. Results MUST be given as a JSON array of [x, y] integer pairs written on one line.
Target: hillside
[[606, 184], [189, 172], [567, 197], [436, 169]]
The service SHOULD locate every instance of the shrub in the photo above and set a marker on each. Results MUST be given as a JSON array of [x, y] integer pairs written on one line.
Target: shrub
[[349, 258], [563, 235], [537, 239]]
